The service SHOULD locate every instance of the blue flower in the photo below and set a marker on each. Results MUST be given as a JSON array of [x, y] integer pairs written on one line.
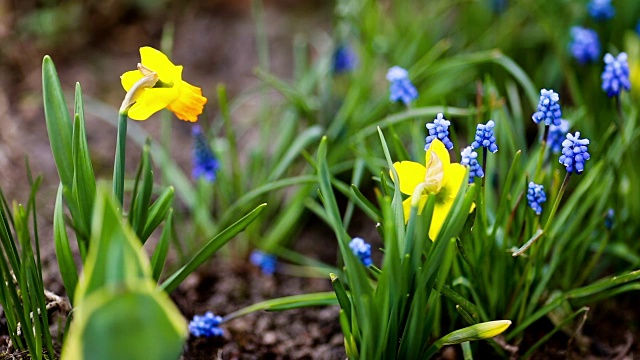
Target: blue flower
[[206, 325], [205, 165], [548, 108], [638, 28], [615, 76], [266, 262], [535, 197], [609, 219], [601, 10], [557, 134], [585, 46], [362, 250], [499, 6], [344, 59], [470, 159], [401, 88], [439, 129], [574, 153], [484, 137]]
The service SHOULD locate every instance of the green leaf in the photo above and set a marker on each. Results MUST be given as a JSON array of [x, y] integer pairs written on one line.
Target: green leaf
[[142, 196], [160, 253], [136, 323], [114, 256], [58, 121], [287, 303], [210, 248], [84, 180], [158, 212], [67, 266]]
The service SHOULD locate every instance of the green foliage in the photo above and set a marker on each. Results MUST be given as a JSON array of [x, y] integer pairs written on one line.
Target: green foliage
[[119, 312], [22, 293], [391, 312]]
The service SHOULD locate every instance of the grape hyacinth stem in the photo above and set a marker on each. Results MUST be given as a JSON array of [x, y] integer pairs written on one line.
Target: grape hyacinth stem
[[543, 148], [542, 232], [620, 114]]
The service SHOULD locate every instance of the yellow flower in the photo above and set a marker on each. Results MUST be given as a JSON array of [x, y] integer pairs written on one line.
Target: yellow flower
[[168, 91], [439, 177]]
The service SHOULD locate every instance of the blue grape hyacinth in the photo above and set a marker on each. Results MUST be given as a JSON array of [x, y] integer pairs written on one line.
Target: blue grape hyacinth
[[535, 197], [439, 129], [401, 88], [484, 137], [601, 10], [615, 76], [204, 163], [557, 134], [585, 45], [361, 250], [344, 59], [548, 108], [609, 219], [266, 262], [575, 153], [206, 325], [470, 158]]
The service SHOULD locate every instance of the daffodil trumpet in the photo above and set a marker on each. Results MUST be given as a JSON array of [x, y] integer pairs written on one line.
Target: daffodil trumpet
[[438, 177]]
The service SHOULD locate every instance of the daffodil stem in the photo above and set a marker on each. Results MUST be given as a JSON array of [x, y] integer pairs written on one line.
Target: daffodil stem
[[118, 167], [543, 147]]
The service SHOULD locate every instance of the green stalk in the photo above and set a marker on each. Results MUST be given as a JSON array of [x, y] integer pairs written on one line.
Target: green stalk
[[543, 147], [542, 233], [118, 167]]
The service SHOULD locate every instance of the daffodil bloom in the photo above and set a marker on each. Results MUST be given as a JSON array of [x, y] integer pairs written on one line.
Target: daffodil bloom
[[439, 177], [158, 84]]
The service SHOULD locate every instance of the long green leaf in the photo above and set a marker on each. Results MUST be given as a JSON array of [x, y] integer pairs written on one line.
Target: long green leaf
[[67, 266], [210, 248], [58, 121]]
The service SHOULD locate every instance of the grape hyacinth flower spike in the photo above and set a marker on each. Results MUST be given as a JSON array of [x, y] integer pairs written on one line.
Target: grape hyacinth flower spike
[[344, 59], [401, 88], [557, 134], [266, 262], [204, 163], [585, 45], [361, 250], [574, 153], [439, 129], [470, 159], [206, 325], [536, 196], [615, 76], [601, 10], [548, 108], [485, 137]]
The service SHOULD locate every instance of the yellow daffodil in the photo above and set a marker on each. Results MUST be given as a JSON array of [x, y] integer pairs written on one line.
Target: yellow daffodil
[[158, 84], [439, 177]]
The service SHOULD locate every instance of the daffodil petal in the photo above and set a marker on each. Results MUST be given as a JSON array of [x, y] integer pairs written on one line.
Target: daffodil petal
[[453, 178], [129, 78], [151, 101], [156, 61], [440, 212], [406, 206], [189, 104], [438, 147], [410, 174]]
